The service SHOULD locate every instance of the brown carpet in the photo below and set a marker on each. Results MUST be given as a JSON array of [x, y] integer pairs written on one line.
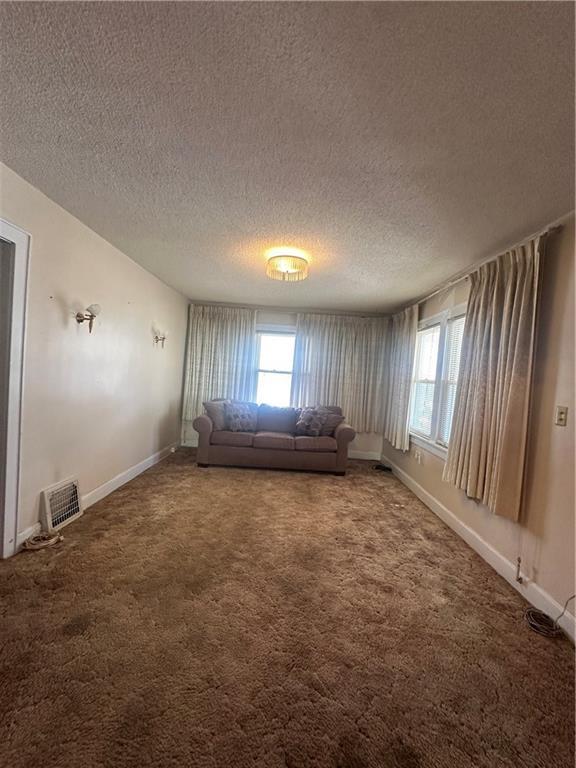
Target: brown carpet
[[229, 617]]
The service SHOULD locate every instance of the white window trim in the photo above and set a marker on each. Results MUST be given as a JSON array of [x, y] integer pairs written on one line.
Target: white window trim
[[422, 442], [441, 318]]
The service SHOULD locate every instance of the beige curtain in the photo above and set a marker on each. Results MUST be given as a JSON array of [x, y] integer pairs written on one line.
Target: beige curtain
[[487, 449], [220, 356], [340, 360], [402, 347]]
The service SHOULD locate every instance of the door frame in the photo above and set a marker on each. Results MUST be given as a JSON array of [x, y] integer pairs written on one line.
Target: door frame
[[9, 525]]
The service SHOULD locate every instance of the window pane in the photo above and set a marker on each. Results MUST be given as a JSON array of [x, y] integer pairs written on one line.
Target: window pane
[[424, 383], [454, 332], [422, 403], [276, 351], [446, 413], [274, 388], [427, 353]]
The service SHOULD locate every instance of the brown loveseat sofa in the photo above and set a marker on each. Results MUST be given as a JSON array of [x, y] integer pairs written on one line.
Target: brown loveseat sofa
[[274, 444]]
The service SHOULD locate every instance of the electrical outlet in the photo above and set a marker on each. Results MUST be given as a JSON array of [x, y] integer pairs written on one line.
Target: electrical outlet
[[561, 416]]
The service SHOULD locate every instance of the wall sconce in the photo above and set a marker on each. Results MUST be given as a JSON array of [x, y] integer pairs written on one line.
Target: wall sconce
[[159, 338], [91, 312]]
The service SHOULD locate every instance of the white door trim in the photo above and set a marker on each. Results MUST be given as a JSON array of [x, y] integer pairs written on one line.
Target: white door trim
[[9, 526]]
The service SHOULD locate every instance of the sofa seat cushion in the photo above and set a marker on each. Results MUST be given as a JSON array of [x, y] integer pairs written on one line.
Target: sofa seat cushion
[[236, 439], [276, 440], [321, 444]]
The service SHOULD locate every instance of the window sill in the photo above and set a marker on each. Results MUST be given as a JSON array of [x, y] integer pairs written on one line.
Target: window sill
[[428, 445]]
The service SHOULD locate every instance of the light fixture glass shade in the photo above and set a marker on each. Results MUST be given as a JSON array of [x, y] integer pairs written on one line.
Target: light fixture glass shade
[[287, 267]]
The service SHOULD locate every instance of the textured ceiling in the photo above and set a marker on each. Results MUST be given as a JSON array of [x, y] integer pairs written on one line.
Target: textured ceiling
[[396, 142]]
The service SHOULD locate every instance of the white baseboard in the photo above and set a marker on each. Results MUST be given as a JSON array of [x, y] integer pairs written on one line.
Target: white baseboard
[[23, 535], [529, 590], [124, 477], [368, 455]]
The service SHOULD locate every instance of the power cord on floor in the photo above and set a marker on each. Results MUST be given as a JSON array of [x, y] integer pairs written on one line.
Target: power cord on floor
[[542, 623], [42, 540]]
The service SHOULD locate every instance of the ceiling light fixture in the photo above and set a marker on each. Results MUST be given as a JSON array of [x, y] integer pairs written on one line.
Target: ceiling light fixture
[[287, 264]]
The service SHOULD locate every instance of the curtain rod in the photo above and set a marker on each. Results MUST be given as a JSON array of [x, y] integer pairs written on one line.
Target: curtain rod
[[551, 229]]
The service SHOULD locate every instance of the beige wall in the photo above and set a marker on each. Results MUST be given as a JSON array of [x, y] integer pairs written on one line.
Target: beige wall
[[545, 538], [94, 405]]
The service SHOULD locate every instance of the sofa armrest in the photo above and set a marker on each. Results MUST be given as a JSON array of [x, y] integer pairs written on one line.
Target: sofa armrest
[[344, 434], [204, 426]]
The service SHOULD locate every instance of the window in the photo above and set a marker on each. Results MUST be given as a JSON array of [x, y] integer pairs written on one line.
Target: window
[[424, 382], [275, 360], [435, 377]]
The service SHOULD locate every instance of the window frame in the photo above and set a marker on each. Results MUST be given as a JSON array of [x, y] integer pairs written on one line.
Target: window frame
[[432, 443], [275, 331]]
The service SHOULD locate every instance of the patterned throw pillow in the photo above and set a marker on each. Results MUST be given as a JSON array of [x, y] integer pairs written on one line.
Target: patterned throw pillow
[[241, 417], [332, 421], [310, 422]]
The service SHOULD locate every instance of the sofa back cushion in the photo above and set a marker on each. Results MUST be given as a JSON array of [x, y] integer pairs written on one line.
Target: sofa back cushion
[[271, 419]]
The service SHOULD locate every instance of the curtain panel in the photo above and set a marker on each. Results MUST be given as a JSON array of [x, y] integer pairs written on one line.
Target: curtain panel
[[402, 348], [220, 356], [488, 442], [340, 360]]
